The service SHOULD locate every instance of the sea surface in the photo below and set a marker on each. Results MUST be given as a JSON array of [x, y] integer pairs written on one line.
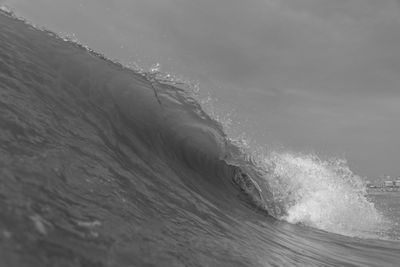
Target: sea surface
[[389, 205], [103, 165]]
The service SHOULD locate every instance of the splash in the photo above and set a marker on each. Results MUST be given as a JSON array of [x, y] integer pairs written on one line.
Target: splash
[[7, 10], [324, 194], [305, 189]]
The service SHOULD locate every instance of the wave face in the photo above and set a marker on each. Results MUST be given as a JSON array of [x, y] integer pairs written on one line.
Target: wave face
[[105, 166]]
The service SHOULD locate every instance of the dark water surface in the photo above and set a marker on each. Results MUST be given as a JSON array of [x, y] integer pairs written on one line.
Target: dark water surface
[[103, 166]]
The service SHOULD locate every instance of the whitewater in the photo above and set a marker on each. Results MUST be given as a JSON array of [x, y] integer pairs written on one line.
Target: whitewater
[[103, 165]]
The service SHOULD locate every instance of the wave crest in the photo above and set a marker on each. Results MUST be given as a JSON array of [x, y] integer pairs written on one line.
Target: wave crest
[[324, 194]]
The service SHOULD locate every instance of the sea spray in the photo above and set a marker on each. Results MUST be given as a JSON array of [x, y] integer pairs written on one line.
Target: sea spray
[[324, 194], [296, 187], [302, 188]]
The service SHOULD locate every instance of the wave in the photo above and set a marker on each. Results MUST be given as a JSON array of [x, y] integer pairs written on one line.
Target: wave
[[83, 135], [296, 188]]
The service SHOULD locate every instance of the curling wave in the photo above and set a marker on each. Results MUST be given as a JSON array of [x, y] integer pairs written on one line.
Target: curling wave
[[105, 166]]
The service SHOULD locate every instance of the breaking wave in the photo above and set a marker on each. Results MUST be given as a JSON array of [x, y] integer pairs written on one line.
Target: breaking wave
[[95, 155]]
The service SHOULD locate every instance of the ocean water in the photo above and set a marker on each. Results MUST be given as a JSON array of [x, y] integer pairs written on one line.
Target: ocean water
[[388, 204], [102, 165]]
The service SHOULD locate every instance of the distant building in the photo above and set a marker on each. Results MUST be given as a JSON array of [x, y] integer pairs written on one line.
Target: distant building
[[388, 183]]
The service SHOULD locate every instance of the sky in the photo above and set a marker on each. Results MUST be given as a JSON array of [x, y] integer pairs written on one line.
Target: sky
[[305, 75]]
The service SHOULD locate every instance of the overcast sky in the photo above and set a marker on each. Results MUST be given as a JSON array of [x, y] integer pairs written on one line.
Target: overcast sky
[[311, 75]]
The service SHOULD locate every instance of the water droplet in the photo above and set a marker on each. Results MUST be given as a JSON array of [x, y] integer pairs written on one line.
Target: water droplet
[[154, 69]]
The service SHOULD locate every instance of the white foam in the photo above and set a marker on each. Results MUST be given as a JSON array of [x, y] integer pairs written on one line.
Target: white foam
[[322, 194]]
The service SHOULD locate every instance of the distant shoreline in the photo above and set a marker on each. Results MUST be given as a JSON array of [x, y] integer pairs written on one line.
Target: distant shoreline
[[383, 190]]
